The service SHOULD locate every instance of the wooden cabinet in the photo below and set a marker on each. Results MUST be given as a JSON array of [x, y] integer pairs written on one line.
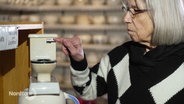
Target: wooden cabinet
[[15, 64]]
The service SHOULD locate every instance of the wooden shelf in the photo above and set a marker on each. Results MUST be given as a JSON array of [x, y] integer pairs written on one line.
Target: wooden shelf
[[15, 64], [25, 26]]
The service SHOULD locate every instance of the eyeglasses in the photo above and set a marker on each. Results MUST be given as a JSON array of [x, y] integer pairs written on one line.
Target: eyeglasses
[[133, 11]]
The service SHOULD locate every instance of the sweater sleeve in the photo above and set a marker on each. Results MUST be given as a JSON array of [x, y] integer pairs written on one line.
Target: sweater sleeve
[[90, 82]]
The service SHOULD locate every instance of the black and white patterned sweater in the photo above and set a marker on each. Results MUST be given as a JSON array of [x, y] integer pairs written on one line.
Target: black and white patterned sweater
[[129, 76]]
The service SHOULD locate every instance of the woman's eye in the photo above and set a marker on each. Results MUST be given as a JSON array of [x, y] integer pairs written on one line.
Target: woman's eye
[[137, 11], [124, 9]]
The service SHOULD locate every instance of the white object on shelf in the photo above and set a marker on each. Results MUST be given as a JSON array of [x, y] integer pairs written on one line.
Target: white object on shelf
[[98, 18], [97, 2], [34, 18], [64, 2], [113, 2], [114, 18], [49, 2], [67, 18], [83, 19], [9, 34], [24, 17], [100, 38], [80, 2], [50, 18], [8, 37], [14, 18], [85, 37]]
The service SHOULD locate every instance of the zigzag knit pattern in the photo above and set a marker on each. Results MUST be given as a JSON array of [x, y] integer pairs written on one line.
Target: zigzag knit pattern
[[112, 76]]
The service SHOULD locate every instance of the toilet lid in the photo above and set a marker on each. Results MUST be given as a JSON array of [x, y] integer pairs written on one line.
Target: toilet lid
[[43, 61]]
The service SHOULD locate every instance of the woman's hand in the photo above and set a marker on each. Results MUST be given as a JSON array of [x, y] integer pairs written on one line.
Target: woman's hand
[[72, 47]]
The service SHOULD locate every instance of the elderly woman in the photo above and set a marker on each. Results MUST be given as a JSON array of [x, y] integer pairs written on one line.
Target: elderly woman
[[147, 70]]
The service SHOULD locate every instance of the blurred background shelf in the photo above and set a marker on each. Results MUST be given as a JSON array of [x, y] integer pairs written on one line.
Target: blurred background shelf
[[76, 27], [57, 8]]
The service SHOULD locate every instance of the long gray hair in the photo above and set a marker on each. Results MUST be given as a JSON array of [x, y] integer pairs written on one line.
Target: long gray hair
[[168, 19]]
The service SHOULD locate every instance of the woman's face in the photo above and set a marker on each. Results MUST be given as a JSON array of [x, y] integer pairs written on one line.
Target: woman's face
[[139, 23]]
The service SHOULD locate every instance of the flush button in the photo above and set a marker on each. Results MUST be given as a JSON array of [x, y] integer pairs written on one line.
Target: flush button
[[50, 40]]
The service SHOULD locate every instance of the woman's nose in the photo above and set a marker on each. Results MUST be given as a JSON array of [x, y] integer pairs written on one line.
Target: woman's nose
[[127, 17]]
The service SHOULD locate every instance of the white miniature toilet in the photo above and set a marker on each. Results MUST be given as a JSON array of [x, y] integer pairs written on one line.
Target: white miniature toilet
[[43, 61], [43, 55]]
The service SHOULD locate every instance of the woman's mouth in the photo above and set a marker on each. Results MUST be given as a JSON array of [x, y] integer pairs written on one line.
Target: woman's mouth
[[129, 31]]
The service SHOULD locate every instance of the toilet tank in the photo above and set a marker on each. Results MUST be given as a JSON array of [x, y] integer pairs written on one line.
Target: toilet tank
[[42, 46]]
